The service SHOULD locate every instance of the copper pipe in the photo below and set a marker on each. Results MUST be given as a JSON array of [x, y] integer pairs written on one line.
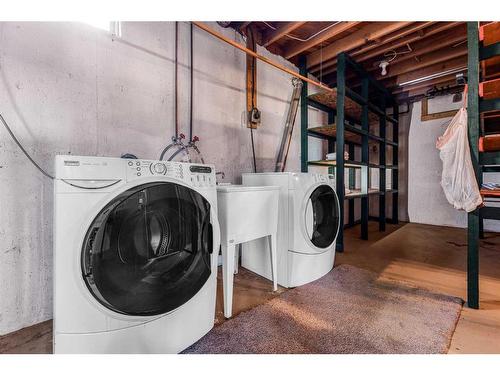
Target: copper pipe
[[260, 57]]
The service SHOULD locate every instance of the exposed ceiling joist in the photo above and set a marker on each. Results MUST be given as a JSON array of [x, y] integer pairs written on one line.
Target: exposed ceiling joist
[[429, 50], [456, 63], [330, 66], [330, 33], [370, 32], [409, 65], [435, 57], [449, 38], [414, 28], [421, 37], [275, 35], [436, 81], [415, 37], [244, 25], [422, 91]]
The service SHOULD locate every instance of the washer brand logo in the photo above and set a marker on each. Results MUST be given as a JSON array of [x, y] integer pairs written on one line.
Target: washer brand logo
[[71, 163]]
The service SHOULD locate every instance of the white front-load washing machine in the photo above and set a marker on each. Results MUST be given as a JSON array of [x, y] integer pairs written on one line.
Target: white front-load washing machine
[[308, 224], [135, 255]]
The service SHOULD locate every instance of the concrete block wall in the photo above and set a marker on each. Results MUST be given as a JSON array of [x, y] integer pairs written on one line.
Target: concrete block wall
[[70, 88]]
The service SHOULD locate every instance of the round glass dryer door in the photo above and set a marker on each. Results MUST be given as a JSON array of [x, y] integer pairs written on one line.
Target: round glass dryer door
[[148, 251], [322, 216]]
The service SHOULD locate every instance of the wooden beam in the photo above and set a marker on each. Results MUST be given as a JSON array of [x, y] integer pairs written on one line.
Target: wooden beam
[[397, 35], [244, 25], [440, 81], [411, 95], [369, 32], [423, 61], [251, 74], [422, 91], [434, 64], [431, 59], [233, 43], [424, 46], [421, 36], [275, 35], [456, 63], [413, 28], [330, 33]]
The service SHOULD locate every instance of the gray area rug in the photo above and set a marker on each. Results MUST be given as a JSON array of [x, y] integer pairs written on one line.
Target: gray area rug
[[347, 311]]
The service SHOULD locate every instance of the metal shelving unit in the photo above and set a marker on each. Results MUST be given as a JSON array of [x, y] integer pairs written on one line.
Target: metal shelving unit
[[353, 110], [483, 50]]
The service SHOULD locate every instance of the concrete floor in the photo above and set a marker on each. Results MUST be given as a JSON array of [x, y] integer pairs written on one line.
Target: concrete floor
[[429, 256]]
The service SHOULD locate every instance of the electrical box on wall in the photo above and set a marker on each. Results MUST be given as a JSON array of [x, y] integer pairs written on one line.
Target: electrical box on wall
[[254, 117]]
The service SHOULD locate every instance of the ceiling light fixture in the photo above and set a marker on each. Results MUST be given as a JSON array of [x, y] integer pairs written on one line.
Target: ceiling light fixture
[[383, 65]]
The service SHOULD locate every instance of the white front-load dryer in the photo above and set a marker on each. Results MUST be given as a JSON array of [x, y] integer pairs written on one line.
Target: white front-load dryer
[[308, 224], [134, 261]]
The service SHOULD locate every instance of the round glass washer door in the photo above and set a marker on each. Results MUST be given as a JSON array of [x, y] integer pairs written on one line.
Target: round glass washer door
[[322, 216], [147, 252]]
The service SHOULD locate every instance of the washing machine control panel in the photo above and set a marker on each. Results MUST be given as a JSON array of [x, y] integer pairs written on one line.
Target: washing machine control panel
[[202, 175], [192, 174], [143, 168]]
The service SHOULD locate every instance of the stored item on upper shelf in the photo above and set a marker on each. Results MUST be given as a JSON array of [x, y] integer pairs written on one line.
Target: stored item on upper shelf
[[489, 143], [333, 156], [458, 178], [491, 186], [347, 190]]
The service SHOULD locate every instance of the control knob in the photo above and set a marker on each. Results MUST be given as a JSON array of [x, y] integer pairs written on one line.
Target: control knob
[[159, 168]]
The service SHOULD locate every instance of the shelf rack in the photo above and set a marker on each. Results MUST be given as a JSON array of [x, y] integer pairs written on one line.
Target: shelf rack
[[483, 107], [353, 111]]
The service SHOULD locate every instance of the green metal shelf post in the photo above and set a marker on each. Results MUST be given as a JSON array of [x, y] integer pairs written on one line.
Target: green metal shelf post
[[365, 156], [339, 121], [331, 142], [473, 132], [304, 140], [352, 184], [382, 172], [395, 161], [483, 162]]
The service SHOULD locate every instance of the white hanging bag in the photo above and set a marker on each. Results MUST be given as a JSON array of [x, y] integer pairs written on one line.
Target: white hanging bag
[[458, 178]]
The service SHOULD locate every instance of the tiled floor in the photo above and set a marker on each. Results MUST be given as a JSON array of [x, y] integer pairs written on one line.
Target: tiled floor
[[428, 256]]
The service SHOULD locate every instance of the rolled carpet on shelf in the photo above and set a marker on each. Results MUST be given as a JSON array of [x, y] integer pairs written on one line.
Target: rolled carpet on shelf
[[349, 310]]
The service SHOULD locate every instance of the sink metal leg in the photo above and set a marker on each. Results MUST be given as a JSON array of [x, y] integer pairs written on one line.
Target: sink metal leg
[[274, 263], [228, 278]]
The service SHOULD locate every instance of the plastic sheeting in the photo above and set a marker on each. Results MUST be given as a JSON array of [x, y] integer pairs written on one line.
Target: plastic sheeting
[[458, 179]]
